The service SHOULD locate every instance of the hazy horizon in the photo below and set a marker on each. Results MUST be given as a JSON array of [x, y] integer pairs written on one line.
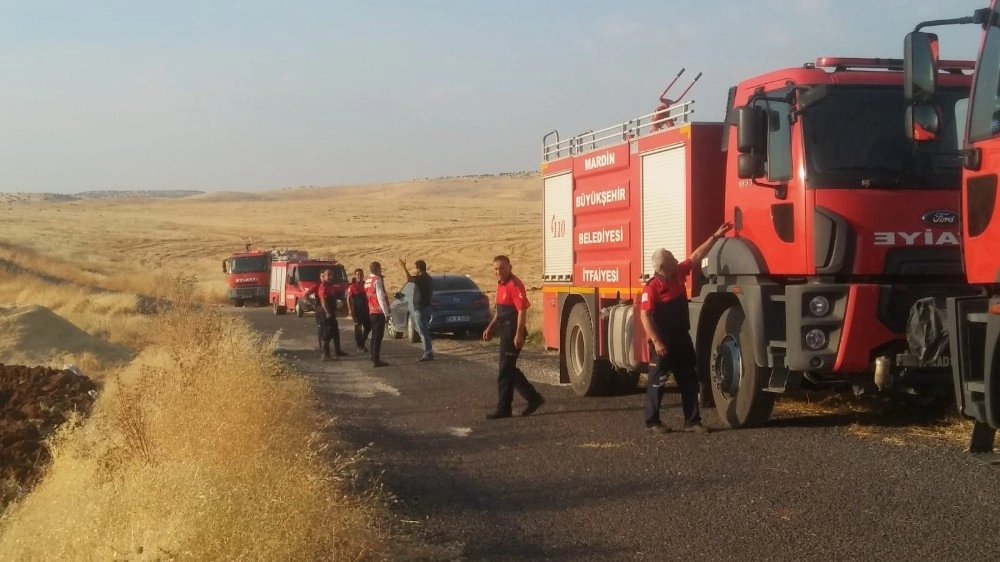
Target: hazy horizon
[[254, 96]]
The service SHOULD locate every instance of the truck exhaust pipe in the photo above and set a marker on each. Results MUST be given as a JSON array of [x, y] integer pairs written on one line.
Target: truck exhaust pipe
[[883, 372]]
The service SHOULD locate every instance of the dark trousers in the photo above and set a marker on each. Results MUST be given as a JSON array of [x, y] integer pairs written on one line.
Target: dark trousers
[[680, 361], [511, 378], [327, 329], [362, 327], [378, 332]]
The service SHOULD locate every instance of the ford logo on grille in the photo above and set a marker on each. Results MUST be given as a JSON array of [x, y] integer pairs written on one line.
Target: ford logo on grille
[[940, 217]]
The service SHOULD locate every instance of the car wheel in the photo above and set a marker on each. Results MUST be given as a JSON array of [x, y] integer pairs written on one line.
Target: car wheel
[[300, 311], [390, 329], [411, 331]]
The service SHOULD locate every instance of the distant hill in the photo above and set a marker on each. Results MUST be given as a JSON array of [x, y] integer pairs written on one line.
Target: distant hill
[[22, 197]]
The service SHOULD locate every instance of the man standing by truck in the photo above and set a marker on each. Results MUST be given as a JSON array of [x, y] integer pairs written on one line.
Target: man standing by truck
[[326, 315], [663, 310], [378, 311], [510, 316]]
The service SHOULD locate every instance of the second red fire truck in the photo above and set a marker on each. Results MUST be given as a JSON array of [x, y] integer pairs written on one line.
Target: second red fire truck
[[973, 322], [841, 228], [293, 273]]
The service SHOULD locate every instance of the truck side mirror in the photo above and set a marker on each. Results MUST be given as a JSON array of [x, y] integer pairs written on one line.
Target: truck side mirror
[[920, 67], [751, 128], [922, 122], [224, 266], [750, 166]]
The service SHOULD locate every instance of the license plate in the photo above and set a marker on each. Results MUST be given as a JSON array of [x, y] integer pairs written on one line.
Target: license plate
[[457, 319]]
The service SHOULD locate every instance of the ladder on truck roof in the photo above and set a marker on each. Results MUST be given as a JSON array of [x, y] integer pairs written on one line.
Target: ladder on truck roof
[[675, 116]]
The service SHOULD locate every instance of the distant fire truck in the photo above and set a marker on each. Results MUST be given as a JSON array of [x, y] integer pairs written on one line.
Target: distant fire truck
[[293, 273], [841, 226], [248, 275]]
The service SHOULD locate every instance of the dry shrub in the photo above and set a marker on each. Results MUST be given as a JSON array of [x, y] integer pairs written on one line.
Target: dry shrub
[[201, 449]]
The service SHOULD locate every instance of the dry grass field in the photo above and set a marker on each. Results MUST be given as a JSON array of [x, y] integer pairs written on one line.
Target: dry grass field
[[78, 279]]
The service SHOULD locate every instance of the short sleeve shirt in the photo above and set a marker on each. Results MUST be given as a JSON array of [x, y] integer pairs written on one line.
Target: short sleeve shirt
[[667, 299], [511, 297]]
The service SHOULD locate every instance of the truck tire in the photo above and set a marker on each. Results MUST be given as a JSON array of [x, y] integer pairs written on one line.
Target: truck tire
[[238, 303], [588, 376], [299, 310], [737, 381], [278, 309], [412, 335]]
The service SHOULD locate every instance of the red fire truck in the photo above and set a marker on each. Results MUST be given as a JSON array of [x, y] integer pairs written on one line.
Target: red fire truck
[[248, 275], [841, 226], [293, 273], [973, 322]]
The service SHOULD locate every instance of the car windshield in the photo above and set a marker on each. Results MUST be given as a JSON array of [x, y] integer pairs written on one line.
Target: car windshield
[[248, 264], [856, 137], [453, 284]]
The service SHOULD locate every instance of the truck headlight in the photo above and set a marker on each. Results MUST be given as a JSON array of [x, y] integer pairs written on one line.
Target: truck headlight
[[819, 306], [815, 339]]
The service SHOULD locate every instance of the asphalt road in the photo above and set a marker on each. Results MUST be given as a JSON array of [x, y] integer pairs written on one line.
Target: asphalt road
[[582, 479]]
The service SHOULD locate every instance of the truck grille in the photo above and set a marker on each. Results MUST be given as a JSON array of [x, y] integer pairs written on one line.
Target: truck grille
[[248, 292]]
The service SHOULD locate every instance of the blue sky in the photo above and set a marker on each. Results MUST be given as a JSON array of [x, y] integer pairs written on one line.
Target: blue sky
[[249, 95]]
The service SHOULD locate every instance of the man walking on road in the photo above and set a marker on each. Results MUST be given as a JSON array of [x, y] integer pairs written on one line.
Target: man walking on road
[[663, 310], [378, 311], [326, 315], [423, 293], [357, 307], [510, 317]]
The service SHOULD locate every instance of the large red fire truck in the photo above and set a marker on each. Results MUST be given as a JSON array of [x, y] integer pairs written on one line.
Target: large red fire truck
[[293, 273], [841, 226], [973, 322], [248, 275]]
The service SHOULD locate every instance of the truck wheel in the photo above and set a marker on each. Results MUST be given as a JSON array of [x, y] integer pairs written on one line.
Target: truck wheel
[[238, 303], [278, 309], [588, 376], [412, 335], [737, 381], [299, 310]]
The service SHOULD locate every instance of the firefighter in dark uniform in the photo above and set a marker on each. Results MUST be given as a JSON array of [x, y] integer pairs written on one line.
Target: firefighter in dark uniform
[[510, 317], [326, 315], [663, 310]]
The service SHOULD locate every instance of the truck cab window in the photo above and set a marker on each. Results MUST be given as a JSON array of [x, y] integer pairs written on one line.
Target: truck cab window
[[985, 119], [779, 140]]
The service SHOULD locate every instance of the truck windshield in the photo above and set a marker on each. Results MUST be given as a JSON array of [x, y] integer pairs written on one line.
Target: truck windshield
[[856, 138], [248, 264], [310, 273]]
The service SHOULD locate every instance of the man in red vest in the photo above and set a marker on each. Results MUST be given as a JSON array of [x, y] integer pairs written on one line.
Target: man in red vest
[[378, 311]]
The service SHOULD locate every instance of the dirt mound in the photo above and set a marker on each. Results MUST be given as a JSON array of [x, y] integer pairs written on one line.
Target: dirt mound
[[33, 402], [34, 335]]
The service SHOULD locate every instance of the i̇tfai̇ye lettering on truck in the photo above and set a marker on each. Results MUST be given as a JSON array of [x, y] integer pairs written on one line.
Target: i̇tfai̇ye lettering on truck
[[973, 322], [841, 228]]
